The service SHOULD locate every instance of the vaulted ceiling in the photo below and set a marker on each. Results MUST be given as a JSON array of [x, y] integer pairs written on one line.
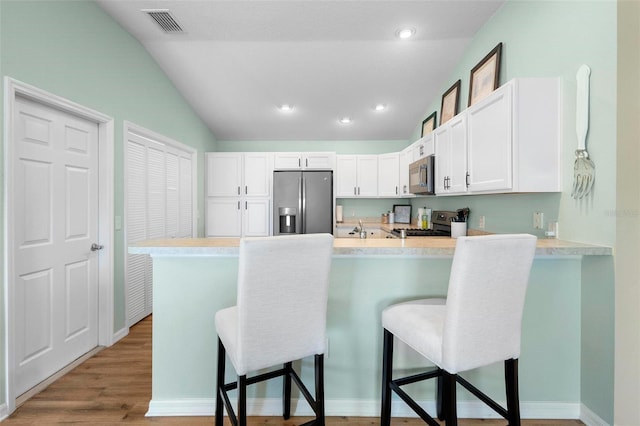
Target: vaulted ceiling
[[237, 61]]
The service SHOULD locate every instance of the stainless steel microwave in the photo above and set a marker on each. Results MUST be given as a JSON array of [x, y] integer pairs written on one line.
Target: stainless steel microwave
[[422, 176]]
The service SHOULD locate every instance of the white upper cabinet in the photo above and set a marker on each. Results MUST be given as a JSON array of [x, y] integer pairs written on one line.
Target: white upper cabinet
[[451, 156], [304, 160], [389, 175], [404, 159], [490, 152], [357, 176], [257, 174], [514, 138], [224, 174]]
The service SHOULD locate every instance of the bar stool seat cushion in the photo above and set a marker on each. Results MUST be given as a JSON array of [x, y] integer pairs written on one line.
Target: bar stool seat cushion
[[419, 324]]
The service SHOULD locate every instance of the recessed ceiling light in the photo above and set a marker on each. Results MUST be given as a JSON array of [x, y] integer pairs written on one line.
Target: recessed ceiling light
[[405, 33], [286, 108], [345, 120], [380, 107]]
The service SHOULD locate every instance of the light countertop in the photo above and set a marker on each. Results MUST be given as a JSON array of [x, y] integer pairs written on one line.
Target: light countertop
[[417, 246]]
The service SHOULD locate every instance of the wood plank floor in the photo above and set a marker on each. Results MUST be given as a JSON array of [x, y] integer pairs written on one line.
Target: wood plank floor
[[115, 387]]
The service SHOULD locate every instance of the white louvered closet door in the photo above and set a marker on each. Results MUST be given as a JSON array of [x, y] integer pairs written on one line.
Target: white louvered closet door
[[159, 205]]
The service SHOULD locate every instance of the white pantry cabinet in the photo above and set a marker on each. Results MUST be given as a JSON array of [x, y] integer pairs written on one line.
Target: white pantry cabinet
[[357, 176], [238, 194], [450, 140], [304, 160], [389, 175]]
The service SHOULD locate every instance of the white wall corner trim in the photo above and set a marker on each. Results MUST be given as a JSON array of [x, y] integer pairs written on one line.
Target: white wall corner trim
[[362, 408]]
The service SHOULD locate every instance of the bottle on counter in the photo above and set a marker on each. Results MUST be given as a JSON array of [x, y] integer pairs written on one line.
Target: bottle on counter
[[392, 218], [425, 222]]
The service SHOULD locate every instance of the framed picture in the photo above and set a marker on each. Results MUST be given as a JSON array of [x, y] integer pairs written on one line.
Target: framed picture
[[402, 213], [449, 106], [485, 77], [428, 124]]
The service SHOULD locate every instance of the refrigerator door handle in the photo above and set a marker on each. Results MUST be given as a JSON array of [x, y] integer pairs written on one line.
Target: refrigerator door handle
[[300, 214], [304, 205]]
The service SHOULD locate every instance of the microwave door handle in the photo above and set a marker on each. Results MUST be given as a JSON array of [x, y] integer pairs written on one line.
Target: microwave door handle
[[423, 175]]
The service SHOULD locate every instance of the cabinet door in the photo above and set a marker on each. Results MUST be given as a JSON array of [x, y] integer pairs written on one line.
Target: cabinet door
[[405, 158], [224, 174], [389, 175], [442, 143], [451, 156], [318, 160], [256, 218], [367, 170], [490, 143], [458, 161], [257, 174], [224, 217], [287, 161], [346, 176]]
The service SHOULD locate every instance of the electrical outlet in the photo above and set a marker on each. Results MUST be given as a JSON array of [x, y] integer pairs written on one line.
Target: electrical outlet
[[481, 222], [538, 220]]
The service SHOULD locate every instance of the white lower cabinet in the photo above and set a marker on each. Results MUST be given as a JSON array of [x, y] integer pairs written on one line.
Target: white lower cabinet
[[235, 217]]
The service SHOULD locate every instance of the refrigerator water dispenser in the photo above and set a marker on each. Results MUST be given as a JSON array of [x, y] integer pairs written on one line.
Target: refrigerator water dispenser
[[287, 220]]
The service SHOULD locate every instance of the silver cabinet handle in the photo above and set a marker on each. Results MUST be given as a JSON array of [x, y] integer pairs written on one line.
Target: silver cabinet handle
[[96, 247]]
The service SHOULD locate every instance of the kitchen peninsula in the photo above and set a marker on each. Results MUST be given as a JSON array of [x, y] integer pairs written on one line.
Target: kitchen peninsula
[[194, 278]]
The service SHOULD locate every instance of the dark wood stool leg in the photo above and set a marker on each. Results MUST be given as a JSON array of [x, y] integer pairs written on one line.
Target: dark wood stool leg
[[449, 398], [286, 391], [387, 370], [242, 400], [439, 390], [220, 384], [511, 384], [319, 364]]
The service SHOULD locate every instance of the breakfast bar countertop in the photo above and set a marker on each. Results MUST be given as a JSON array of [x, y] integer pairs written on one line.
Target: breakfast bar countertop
[[416, 246]]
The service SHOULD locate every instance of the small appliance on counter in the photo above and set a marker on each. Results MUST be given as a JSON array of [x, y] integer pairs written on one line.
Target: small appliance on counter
[[440, 226]]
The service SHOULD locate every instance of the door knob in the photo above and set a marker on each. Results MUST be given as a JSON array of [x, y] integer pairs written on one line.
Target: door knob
[[96, 247]]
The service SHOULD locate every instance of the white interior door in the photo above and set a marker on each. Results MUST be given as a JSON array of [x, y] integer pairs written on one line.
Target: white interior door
[[160, 182], [55, 209]]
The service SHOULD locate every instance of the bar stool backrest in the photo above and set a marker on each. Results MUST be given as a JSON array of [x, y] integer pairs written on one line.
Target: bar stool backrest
[[485, 300], [282, 298]]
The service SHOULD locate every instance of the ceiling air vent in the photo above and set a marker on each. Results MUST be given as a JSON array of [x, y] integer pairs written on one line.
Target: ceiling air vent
[[165, 20]]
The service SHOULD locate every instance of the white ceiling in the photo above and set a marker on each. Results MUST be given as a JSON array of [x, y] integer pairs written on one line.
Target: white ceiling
[[238, 60]]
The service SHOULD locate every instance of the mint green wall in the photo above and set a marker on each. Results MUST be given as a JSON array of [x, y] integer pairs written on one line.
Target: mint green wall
[[75, 50]]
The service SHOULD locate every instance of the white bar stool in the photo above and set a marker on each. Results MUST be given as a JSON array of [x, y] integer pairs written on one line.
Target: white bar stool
[[280, 317], [478, 324]]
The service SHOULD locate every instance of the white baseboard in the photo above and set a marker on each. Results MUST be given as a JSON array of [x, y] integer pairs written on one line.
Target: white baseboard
[[590, 418], [4, 411], [365, 408], [120, 334]]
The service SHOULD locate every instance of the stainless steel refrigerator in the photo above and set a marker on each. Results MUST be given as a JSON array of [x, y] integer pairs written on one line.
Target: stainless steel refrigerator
[[302, 202]]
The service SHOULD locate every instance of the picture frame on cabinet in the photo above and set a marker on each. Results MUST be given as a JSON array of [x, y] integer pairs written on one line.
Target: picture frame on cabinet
[[402, 213], [449, 106], [428, 124], [485, 77]]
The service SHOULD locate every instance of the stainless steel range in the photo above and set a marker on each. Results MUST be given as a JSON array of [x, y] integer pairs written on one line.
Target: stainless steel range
[[440, 226]]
